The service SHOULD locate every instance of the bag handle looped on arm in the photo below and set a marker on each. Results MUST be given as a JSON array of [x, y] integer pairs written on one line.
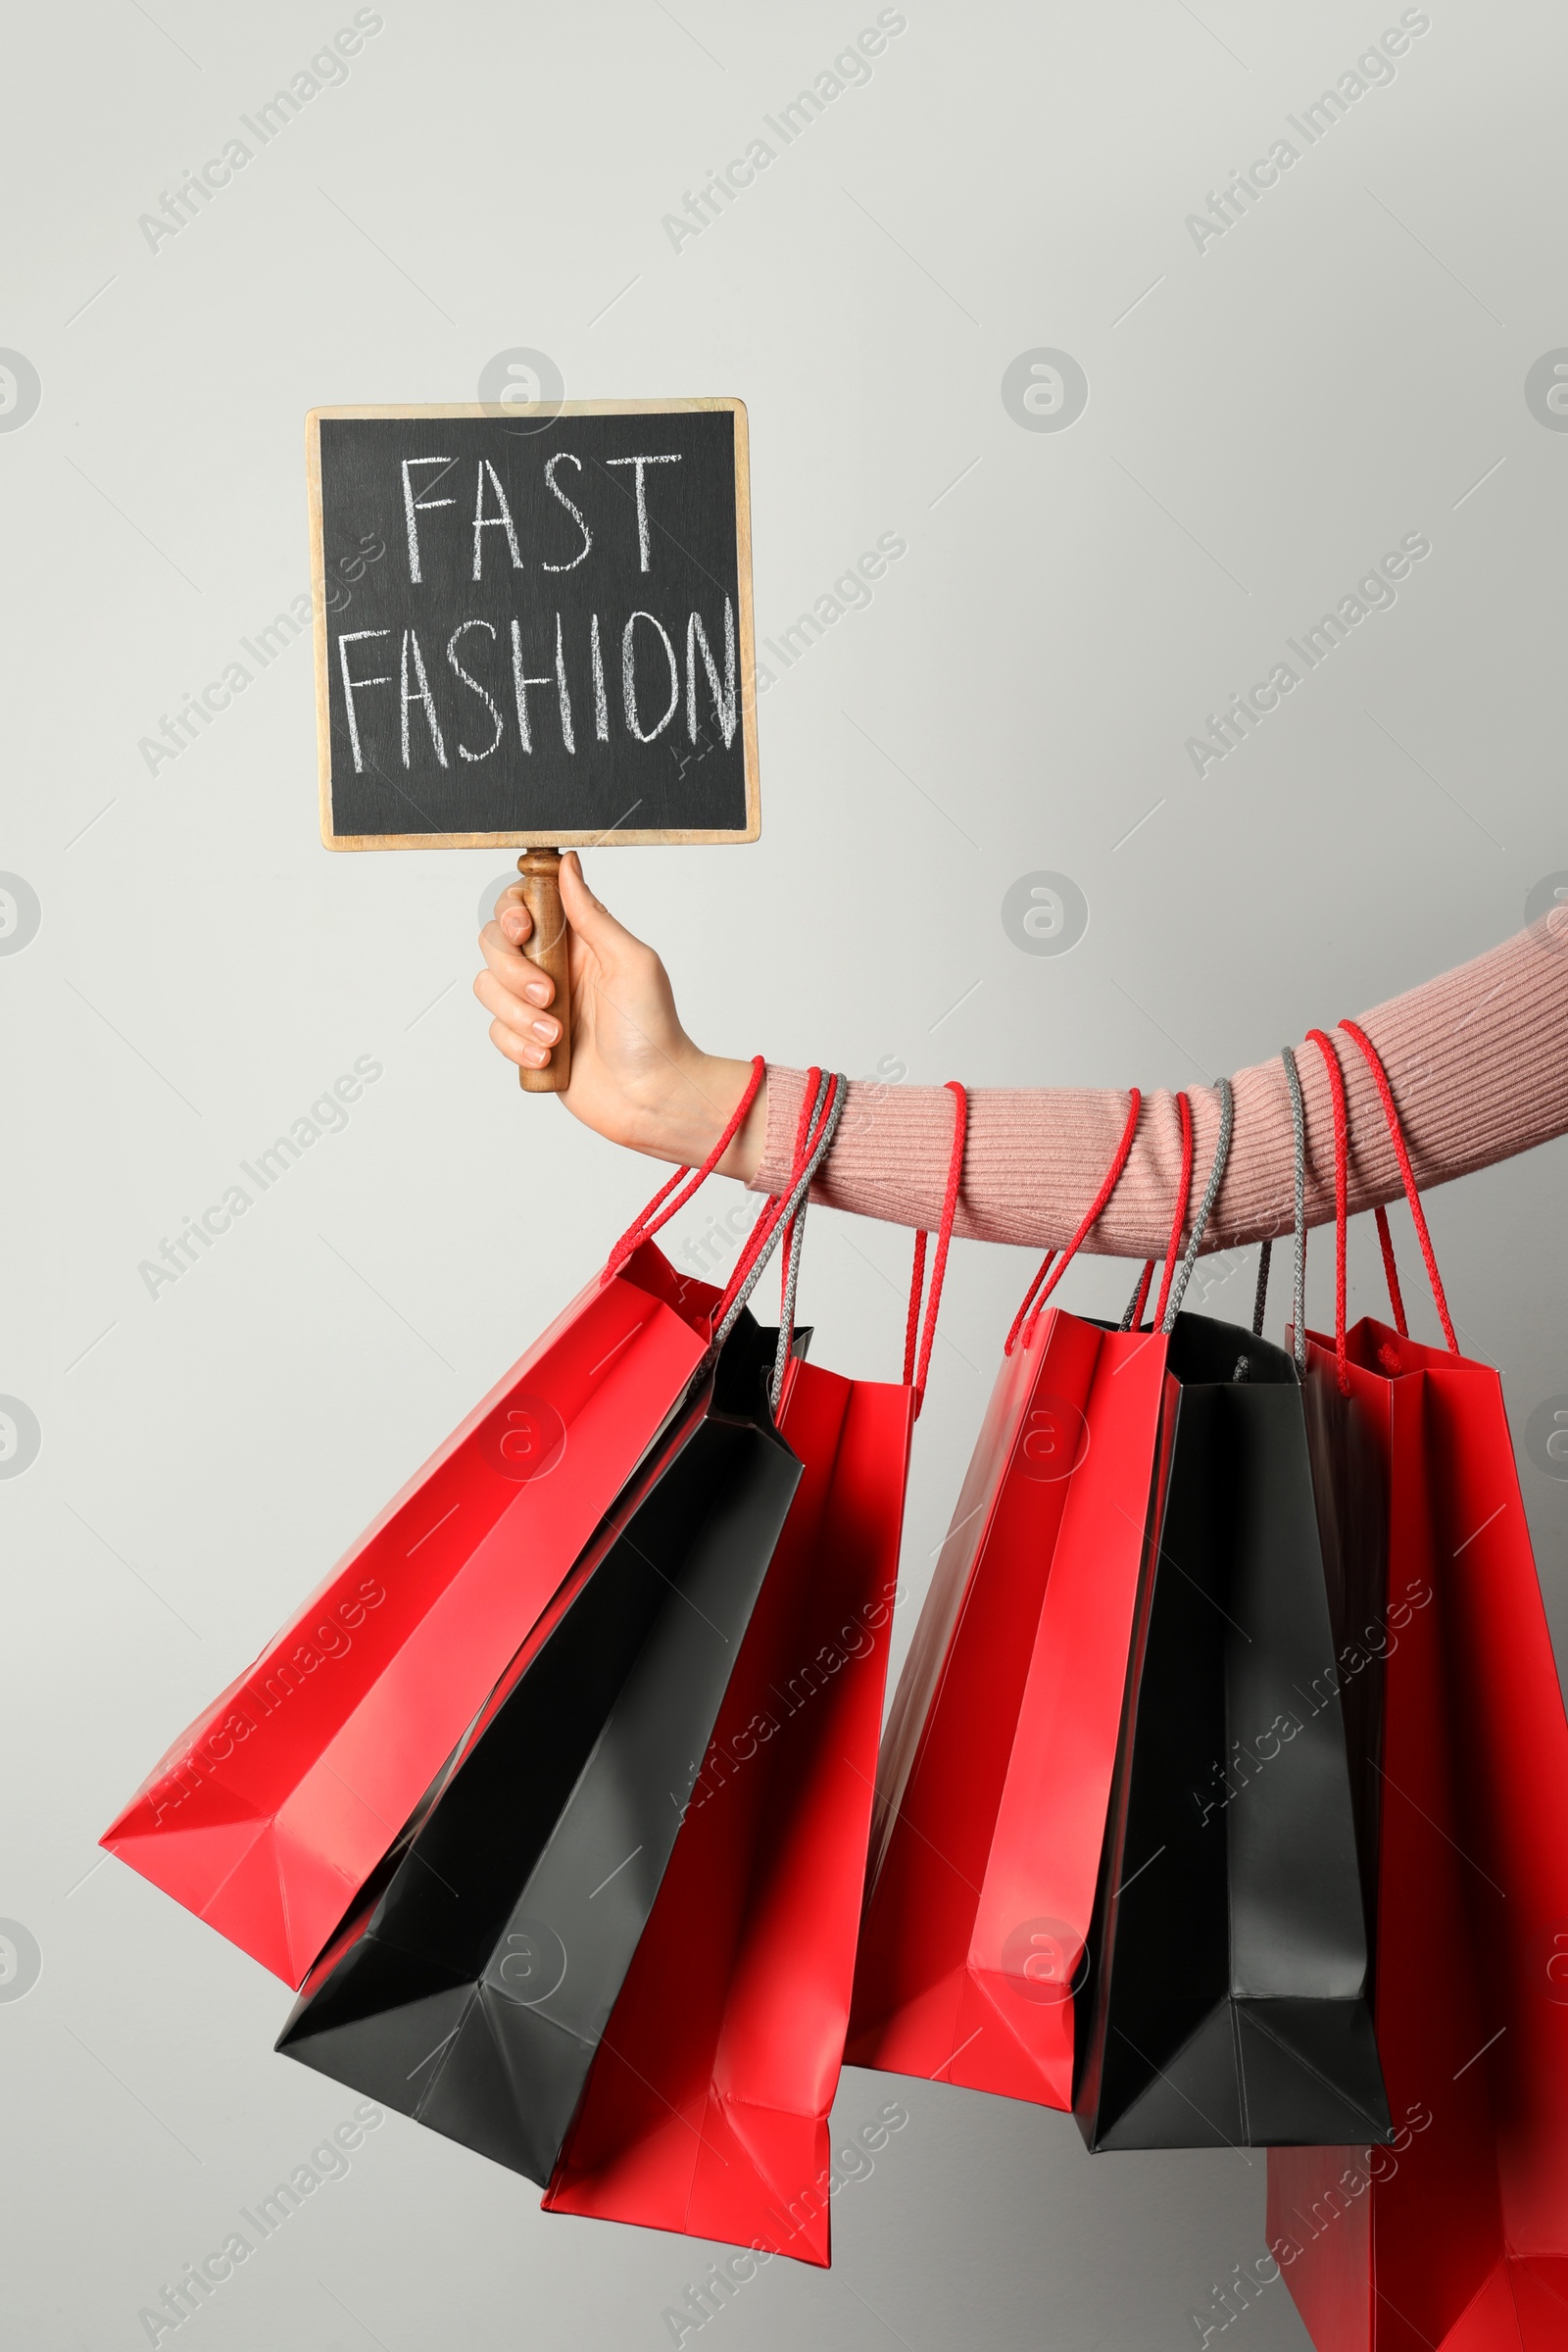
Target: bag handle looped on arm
[[1184, 1195], [1265, 1252], [1133, 1313], [916, 1369], [813, 1101], [661, 1208], [1370, 1055], [826, 1096], [1036, 1303], [1341, 1179], [810, 1149], [813, 1104], [1222, 1152], [1175, 1280], [1292, 1078]]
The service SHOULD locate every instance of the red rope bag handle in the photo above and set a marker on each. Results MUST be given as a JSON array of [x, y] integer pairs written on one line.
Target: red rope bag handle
[[1370, 1055], [1032, 1301], [1184, 1195], [1341, 1186], [1395, 1295], [810, 1131], [915, 1367], [648, 1223], [807, 1133], [1336, 1076]]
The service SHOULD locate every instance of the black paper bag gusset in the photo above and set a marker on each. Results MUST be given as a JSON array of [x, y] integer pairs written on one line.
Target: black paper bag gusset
[[471, 1985], [1227, 2000]]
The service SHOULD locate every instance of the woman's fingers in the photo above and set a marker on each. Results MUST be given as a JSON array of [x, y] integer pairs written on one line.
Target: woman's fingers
[[503, 937], [513, 989], [629, 1041], [507, 1043], [528, 1025], [512, 968], [512, 915]]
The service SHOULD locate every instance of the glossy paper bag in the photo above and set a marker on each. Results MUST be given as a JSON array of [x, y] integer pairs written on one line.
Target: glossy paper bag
[[270, 1811], [1227, 2000], [471, 1986], [267, 1816], [998, 1760], [1455, 2236]]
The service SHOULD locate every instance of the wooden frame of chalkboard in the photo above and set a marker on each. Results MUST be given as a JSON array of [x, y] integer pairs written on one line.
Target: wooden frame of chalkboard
[[538, 423]]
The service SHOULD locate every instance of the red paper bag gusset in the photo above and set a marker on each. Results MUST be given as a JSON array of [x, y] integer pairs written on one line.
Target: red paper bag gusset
[[1455, 2237], [996, 1764], [269, 1814], [707, 2110]]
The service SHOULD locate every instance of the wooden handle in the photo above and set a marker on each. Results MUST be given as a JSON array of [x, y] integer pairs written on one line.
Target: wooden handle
[[547, 946]]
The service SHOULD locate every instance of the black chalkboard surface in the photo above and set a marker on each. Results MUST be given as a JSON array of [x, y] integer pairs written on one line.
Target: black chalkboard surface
[[533, 628]]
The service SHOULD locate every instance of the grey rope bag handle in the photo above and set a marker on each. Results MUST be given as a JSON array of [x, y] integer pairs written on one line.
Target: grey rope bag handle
[[1292, 1078], [1184, 1271]]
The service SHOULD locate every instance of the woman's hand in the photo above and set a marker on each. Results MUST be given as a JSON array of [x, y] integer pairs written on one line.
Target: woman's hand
[[636, 1076]]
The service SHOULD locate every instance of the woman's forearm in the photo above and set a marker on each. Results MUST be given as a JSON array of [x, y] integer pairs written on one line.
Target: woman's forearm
[[1477, 1061]]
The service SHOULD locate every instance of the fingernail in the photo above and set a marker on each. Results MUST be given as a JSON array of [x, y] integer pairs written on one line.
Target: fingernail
[[537, 991], [512, 925], [535, 1057], [548, 1029]]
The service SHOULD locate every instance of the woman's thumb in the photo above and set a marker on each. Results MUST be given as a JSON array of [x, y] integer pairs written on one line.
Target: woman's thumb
[[593, 923]]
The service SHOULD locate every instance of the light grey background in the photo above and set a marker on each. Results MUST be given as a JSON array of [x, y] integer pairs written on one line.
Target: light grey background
[[1265, 418]]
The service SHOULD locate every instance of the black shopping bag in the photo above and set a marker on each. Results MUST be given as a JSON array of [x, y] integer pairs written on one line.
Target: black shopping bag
[[471, 1986], [1227, 2000]]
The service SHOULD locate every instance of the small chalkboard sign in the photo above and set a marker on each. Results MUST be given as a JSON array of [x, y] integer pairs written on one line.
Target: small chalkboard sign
[[533, 626]]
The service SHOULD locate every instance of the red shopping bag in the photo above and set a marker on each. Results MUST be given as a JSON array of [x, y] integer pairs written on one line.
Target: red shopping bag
[[707, 2108], [1456, 2236], [271, 1810], [997, 1765]]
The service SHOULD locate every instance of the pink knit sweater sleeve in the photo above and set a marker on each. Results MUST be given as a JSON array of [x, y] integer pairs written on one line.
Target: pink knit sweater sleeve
[[1477, 1061]]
